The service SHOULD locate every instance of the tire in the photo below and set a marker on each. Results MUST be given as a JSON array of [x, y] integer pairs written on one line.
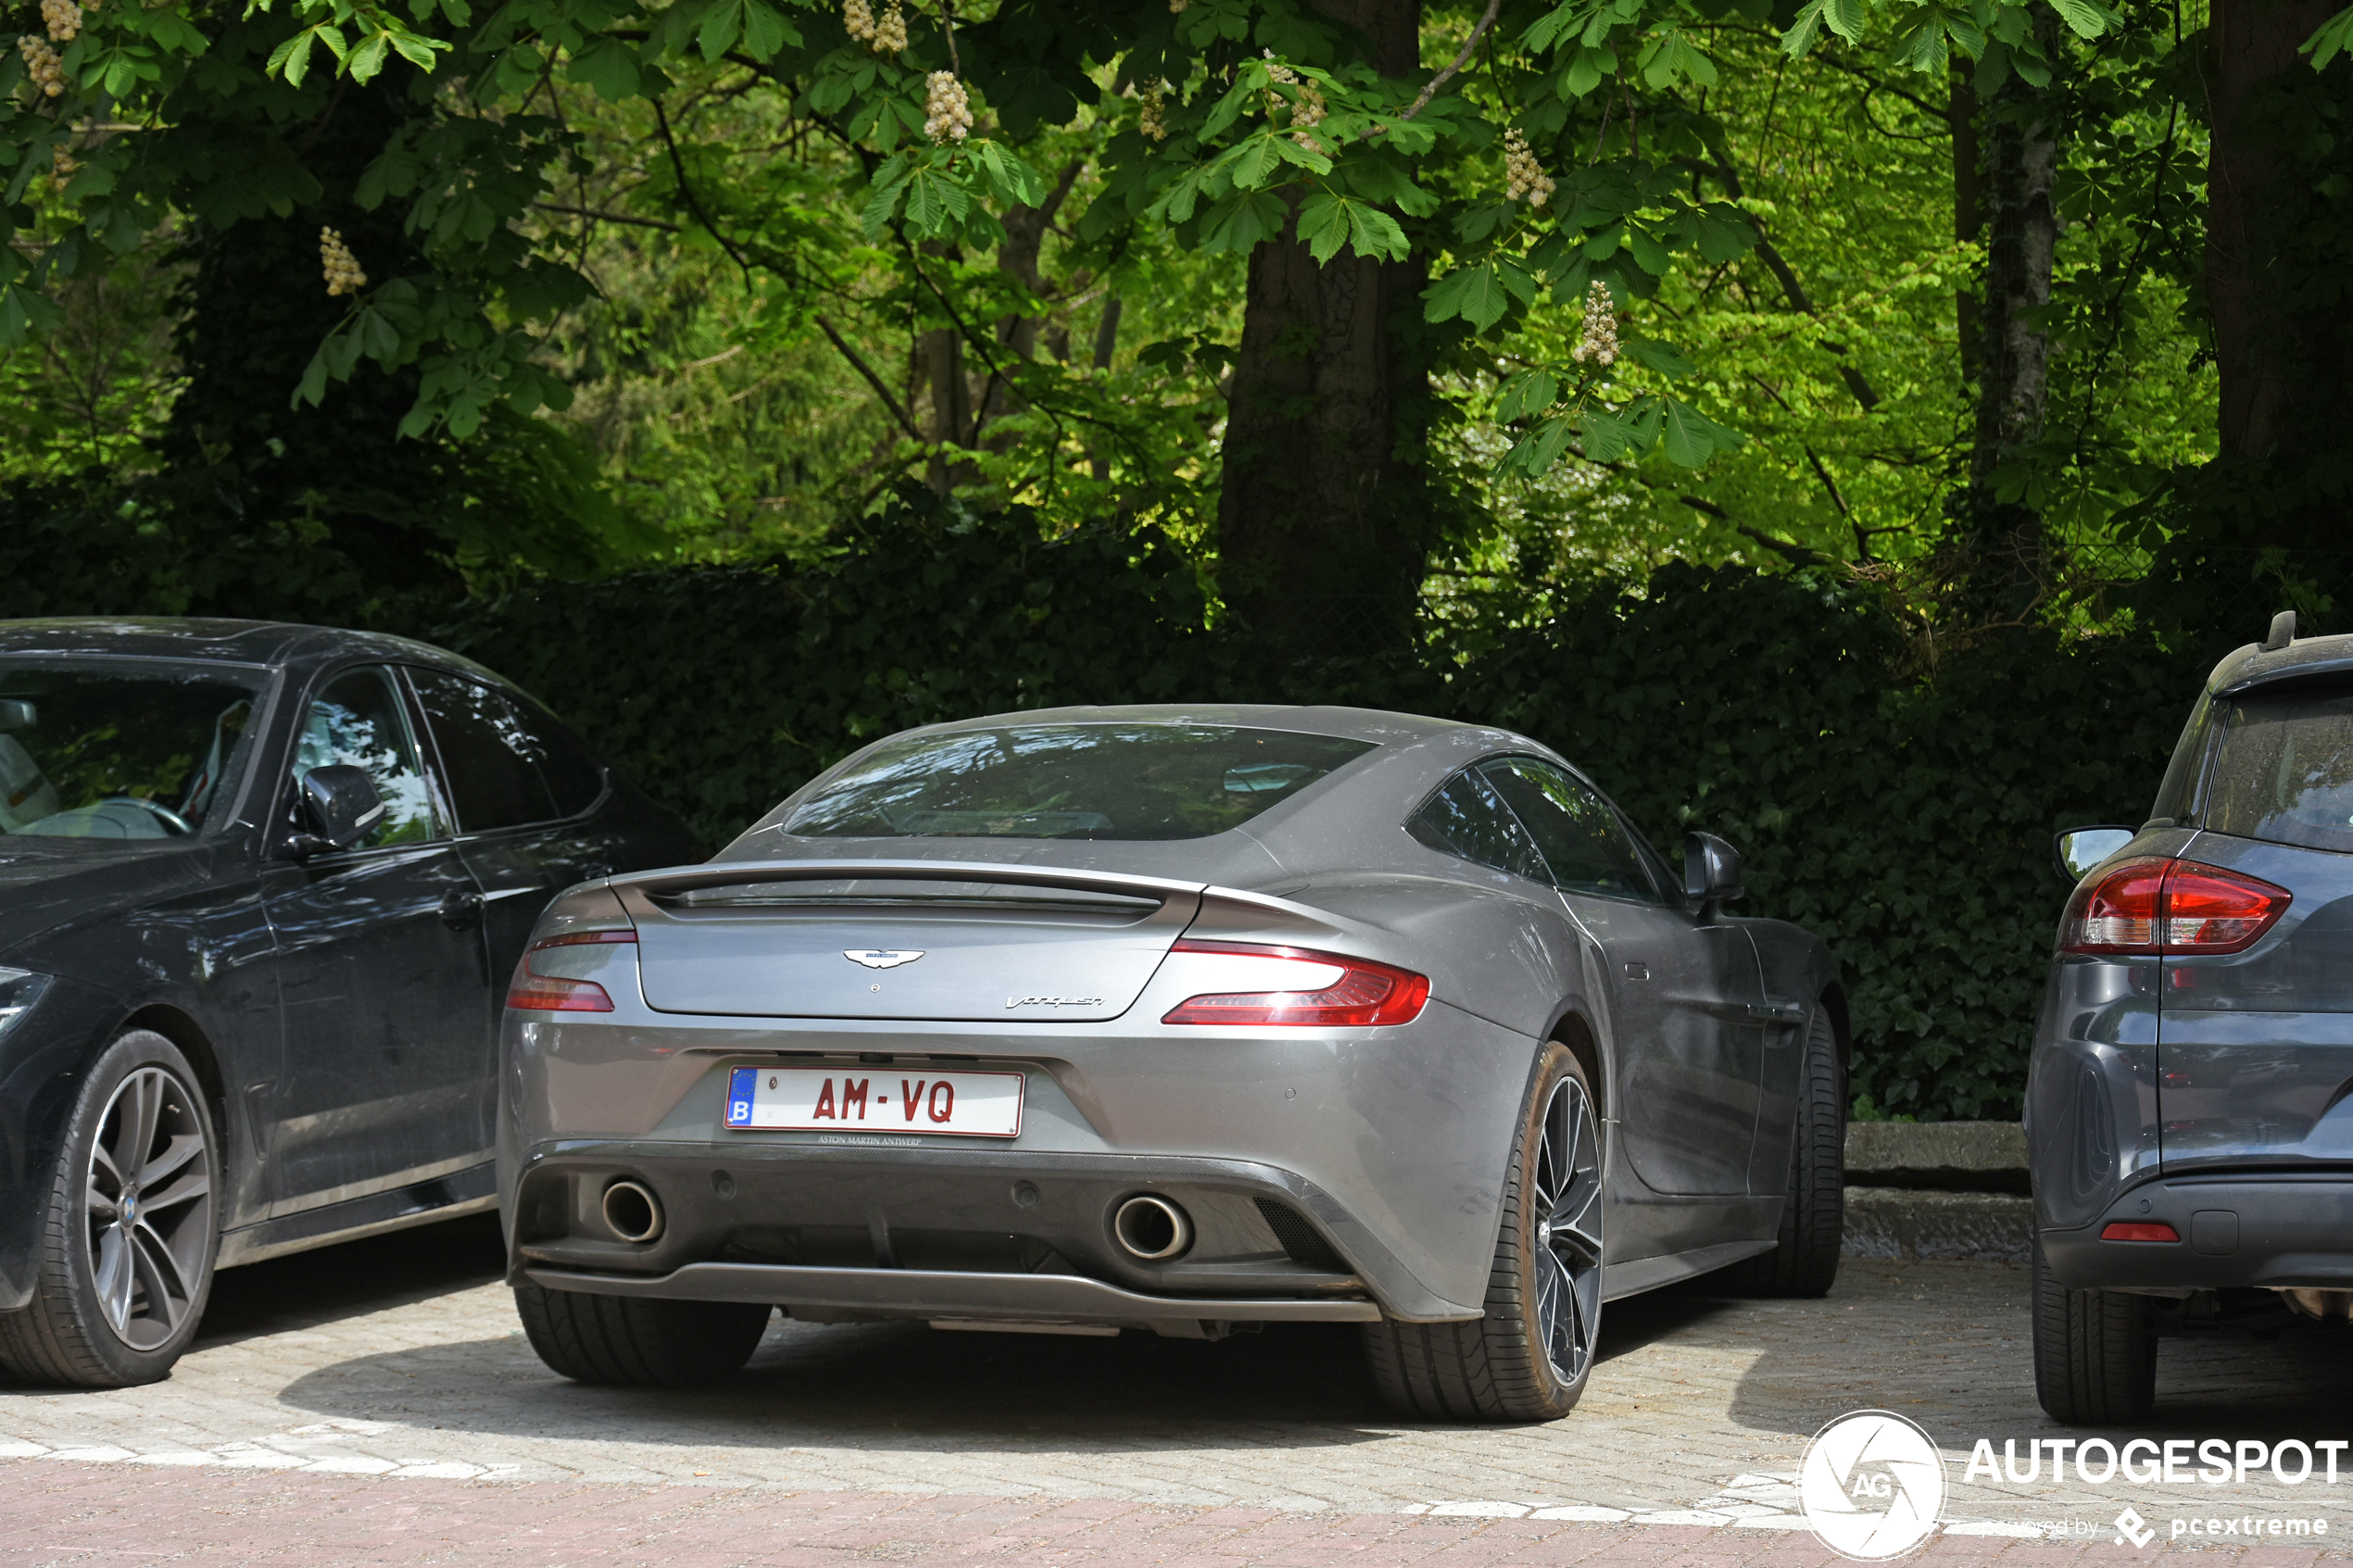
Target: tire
[[2095, 1352], [1804, 1262], [1530, 1357], [637, 1340], [124, 1255]]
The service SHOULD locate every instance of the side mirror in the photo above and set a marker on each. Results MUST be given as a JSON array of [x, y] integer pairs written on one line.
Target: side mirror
[[1711, 871], [15, 713], [2079, 849], [341, 804]]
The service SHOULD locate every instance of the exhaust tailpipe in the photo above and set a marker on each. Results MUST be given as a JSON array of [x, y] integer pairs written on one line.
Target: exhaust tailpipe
[[633, 1211], [1151, 1229]]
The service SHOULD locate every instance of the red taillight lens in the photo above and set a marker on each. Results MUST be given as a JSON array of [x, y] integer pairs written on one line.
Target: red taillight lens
[[2211, 910], [532, 991], [2159, 906], [1364, 994], [2135, 1230]]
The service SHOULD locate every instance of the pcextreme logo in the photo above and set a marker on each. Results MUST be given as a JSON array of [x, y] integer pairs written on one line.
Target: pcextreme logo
[[1872, 1485]]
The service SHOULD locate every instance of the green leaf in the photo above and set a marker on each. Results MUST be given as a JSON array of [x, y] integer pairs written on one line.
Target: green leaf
[[1608, 438], [1527, 394], [369, 59], [1805, 31], [1648, 253], [766, 29], [720, 28], [1480, 295], [1376, 235], [1845, 19], [1664, 357], [1250, 164], [1690, 437], [2088, 19], [1323, 223], [1242, 219], [609, 66], [2333, 38], [1540, 448]]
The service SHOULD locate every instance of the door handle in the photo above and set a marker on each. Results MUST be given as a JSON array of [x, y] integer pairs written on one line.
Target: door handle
[[460, 907], [1778, 1012]]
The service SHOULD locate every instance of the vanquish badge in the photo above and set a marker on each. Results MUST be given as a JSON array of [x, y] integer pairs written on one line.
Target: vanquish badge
[[880, 958], [1872, 1485]]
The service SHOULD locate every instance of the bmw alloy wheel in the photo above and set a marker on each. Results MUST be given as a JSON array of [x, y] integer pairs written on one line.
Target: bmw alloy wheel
[[149, 1206]]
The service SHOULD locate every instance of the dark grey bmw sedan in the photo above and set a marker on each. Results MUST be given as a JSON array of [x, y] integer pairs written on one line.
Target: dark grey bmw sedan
[[260, 890], [2189, 1106]]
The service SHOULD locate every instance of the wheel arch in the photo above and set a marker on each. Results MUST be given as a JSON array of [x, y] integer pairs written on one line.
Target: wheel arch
[[1834, 1003], [184, 1032]]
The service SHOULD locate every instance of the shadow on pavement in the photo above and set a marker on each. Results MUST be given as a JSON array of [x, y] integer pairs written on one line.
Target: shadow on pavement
[[352, 1279], [865, 1379], [1951, 1345]]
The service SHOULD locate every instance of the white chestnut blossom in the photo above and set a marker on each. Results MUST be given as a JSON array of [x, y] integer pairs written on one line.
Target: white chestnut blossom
[[1525, 179], [344, 275], [1597, 343], [43, 65], [947, 112]]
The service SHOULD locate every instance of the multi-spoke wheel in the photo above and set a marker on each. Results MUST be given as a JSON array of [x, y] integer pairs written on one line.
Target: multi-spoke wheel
[[126, 1253], [1567, 1197], [1529, 1357]]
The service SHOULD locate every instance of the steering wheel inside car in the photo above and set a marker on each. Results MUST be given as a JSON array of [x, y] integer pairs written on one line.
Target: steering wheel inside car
[[171, 819]]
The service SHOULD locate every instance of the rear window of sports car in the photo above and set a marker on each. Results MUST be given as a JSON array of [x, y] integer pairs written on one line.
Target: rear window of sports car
[[1070, 780]]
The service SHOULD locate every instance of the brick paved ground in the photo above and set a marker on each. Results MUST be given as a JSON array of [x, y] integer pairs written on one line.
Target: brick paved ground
[[377, 1401]]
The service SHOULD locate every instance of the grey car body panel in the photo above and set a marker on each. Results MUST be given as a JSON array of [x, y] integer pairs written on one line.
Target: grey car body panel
[[1394, 1141], [2208, 1092], [206, 939]]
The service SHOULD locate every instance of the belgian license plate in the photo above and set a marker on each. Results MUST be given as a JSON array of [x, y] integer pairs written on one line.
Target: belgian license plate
[[812, 1099]]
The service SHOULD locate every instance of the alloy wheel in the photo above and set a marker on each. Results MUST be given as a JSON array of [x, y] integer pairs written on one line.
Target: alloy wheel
[[1568, 1202], [149, 1206]]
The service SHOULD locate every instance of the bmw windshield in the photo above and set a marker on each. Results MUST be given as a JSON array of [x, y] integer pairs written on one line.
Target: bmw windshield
[[122, 749]]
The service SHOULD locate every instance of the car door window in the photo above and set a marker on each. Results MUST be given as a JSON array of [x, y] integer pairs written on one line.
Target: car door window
[[489, 756], [1468, 819], [357, 720], [1579, 837]]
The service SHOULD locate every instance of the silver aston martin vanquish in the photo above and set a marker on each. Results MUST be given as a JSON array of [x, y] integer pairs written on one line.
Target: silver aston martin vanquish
[[1178, 1019]]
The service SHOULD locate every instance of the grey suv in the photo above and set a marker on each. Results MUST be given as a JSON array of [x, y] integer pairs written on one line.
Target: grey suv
[[2189, 1106]]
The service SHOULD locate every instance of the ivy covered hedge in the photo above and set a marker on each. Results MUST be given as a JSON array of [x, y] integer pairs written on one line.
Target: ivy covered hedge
[[1905, 819]]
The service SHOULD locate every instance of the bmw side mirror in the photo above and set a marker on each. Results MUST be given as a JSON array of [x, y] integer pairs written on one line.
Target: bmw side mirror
[[15, 713], [1711, 873], [2079, 849], [340, 806]]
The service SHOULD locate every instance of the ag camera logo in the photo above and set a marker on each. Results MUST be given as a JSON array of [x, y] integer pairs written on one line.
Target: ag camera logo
[[1872, 1485]]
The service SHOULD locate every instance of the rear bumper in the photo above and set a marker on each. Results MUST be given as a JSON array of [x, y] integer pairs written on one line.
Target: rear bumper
[[822, 1294], [990, 1233], [2266, 1229]]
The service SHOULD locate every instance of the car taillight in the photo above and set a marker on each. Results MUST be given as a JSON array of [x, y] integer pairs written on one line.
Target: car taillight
[[534, 991], [2152, 905], [1365, 993]]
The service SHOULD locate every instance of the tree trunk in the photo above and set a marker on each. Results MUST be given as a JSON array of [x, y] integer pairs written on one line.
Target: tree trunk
[[2262, 528], [1321, 520], [2006, 545], [2275, 353], [1968, 201]]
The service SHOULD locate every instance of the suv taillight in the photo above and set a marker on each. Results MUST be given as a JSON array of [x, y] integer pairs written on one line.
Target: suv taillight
[[2151, 905], [1362, 994], [532, 991]]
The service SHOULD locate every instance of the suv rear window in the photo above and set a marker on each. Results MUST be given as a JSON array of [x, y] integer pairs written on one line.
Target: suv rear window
[[1070, 780], [2285, 772]]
